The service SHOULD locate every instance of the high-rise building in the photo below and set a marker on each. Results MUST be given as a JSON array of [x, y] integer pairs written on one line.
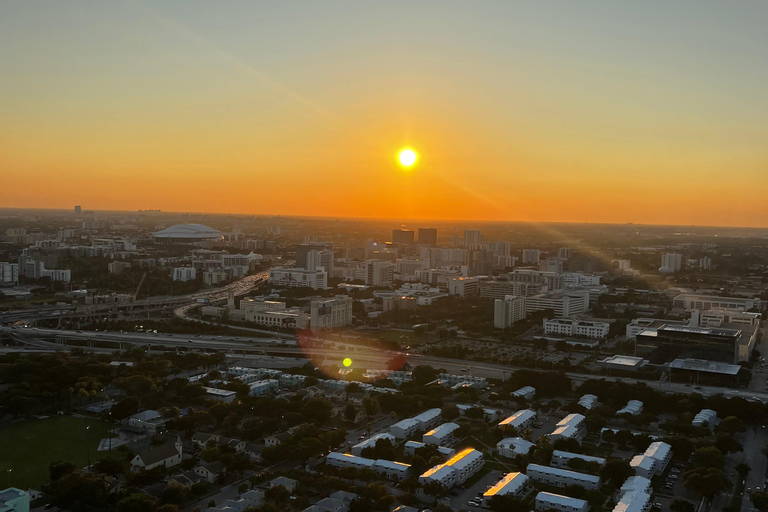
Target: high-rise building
[[564, 252], [78, 210], [402, 236], [705, 263], [672, 261], [428, 236], [9, 274], [473, 240], [455, 241], [551, 265], [531, 256], [507, 311], [379, 272], [330, 313]]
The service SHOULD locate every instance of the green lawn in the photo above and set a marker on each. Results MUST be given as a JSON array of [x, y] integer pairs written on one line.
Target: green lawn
[[27, 448]]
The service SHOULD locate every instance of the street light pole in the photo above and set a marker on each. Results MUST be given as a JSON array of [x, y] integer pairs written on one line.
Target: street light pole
[[87, 449]]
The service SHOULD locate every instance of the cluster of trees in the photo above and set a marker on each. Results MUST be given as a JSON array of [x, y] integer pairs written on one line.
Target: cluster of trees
[[307, 441]]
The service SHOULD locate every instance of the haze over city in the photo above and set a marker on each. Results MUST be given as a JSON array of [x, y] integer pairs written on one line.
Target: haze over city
[[548, 111]]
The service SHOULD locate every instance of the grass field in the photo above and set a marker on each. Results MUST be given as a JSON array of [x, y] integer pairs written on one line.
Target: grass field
[[27, 448]]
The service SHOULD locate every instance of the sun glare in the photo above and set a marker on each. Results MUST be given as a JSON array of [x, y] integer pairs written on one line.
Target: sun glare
[[407, 157]]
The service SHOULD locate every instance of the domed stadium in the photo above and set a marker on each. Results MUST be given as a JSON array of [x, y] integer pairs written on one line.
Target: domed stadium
[[187, 233]]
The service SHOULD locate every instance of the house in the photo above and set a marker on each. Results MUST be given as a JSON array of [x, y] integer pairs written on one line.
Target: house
[[148, 421], [188, 478], [253, 451], [250, 499], [313, 392], [276, 439], [211, 471], [337, 502], [167, 455], [288, 483], [201, 439], [336, 395]]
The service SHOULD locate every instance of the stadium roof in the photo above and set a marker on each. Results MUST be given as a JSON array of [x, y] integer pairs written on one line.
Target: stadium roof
[[189, 231]]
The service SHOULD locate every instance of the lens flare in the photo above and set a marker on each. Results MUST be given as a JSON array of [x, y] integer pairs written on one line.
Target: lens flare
[[347, 361]]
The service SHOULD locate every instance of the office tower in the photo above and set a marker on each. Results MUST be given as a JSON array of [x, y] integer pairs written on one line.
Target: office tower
[[428, 236], [672, 261], [473, 240], [379, 273], [78, 210], [531, 256], [402, 236]]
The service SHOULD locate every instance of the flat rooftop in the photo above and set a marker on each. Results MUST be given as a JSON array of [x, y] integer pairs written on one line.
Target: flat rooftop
[[701, 365]]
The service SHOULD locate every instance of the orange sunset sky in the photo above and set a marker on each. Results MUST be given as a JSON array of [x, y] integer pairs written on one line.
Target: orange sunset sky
[[647, 112]]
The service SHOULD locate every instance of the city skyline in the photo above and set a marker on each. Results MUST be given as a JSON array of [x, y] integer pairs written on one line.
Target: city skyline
[[595, 112]]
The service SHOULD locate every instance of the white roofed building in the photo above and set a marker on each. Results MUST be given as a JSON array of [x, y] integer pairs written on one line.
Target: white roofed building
[[371, 442], [511, 447], [633, 407], [706, 417], [404, 429], [346, 460], [513, 484], [562, 477], [570, 427], [410, 448], [546, 501], [442, 435], [522, 419], [588, 402], [560, 459], [527, 392]]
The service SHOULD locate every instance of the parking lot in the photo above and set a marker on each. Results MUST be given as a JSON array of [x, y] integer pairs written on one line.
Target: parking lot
[[461, 502]]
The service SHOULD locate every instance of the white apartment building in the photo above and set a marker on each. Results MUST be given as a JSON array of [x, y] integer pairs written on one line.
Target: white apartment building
[[59, 275], [527, 392], [456, 470], [636, 484], [330, 313], [520, 420], [299, 278], [706, 417], [262, 387], [177, 274], [551, 265], [706, 302], [672, 261], [429, 418], [634, 501], [633, 407], [508, 311], [346, 460], [589, 402], [512, 484], [473, 240], [654, 461], [568, 327], [488, 414], [379, 272], [273, 314], [557, 477], [410, 448], [9, 274], [444, 257], [404, 429], [371, 442], [392, 469], [498, 289], [449, 379], [560, 459], [566, 304], [546, 501], [215, 277], [463, 286], [571, 427], [442, 435], [531, 256], [553, 281], [576, 280], [716, 318], [511, 447]]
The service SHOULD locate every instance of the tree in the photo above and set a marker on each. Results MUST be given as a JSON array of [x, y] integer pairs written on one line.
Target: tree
[[475, 413], [277, 494], [616, 471], [137, 502], [243, 487], [434, 488], [743, 470], [725, 443], [168, 507], [318, 409], [371, 406], [175, 493], [423, 374], [126, 407], [58, 469], [731, 425], [708, 457], [760, 500], [110, 466], [706, 481], [450, 412], [681, 505]]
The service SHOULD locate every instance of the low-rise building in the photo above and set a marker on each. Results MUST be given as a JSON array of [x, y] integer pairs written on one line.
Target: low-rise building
[[404, 429], [442, 435], [456, 470], [546, 501], [527, 392], [520, 420], [633, 407], [511, 447], [392, 469], [346, 460], [428, 418], [706, 417], [262, 387], [588, 402], [14, 500], [634, 501], [569, 327], [561, 459], [222, 395], [557, 477], [570, 427], [167, 455], [513, 484], [653, 461], [371, 442], [410, 448]]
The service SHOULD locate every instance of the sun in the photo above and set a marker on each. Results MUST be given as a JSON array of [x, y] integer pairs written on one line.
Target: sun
[[407, 157]]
